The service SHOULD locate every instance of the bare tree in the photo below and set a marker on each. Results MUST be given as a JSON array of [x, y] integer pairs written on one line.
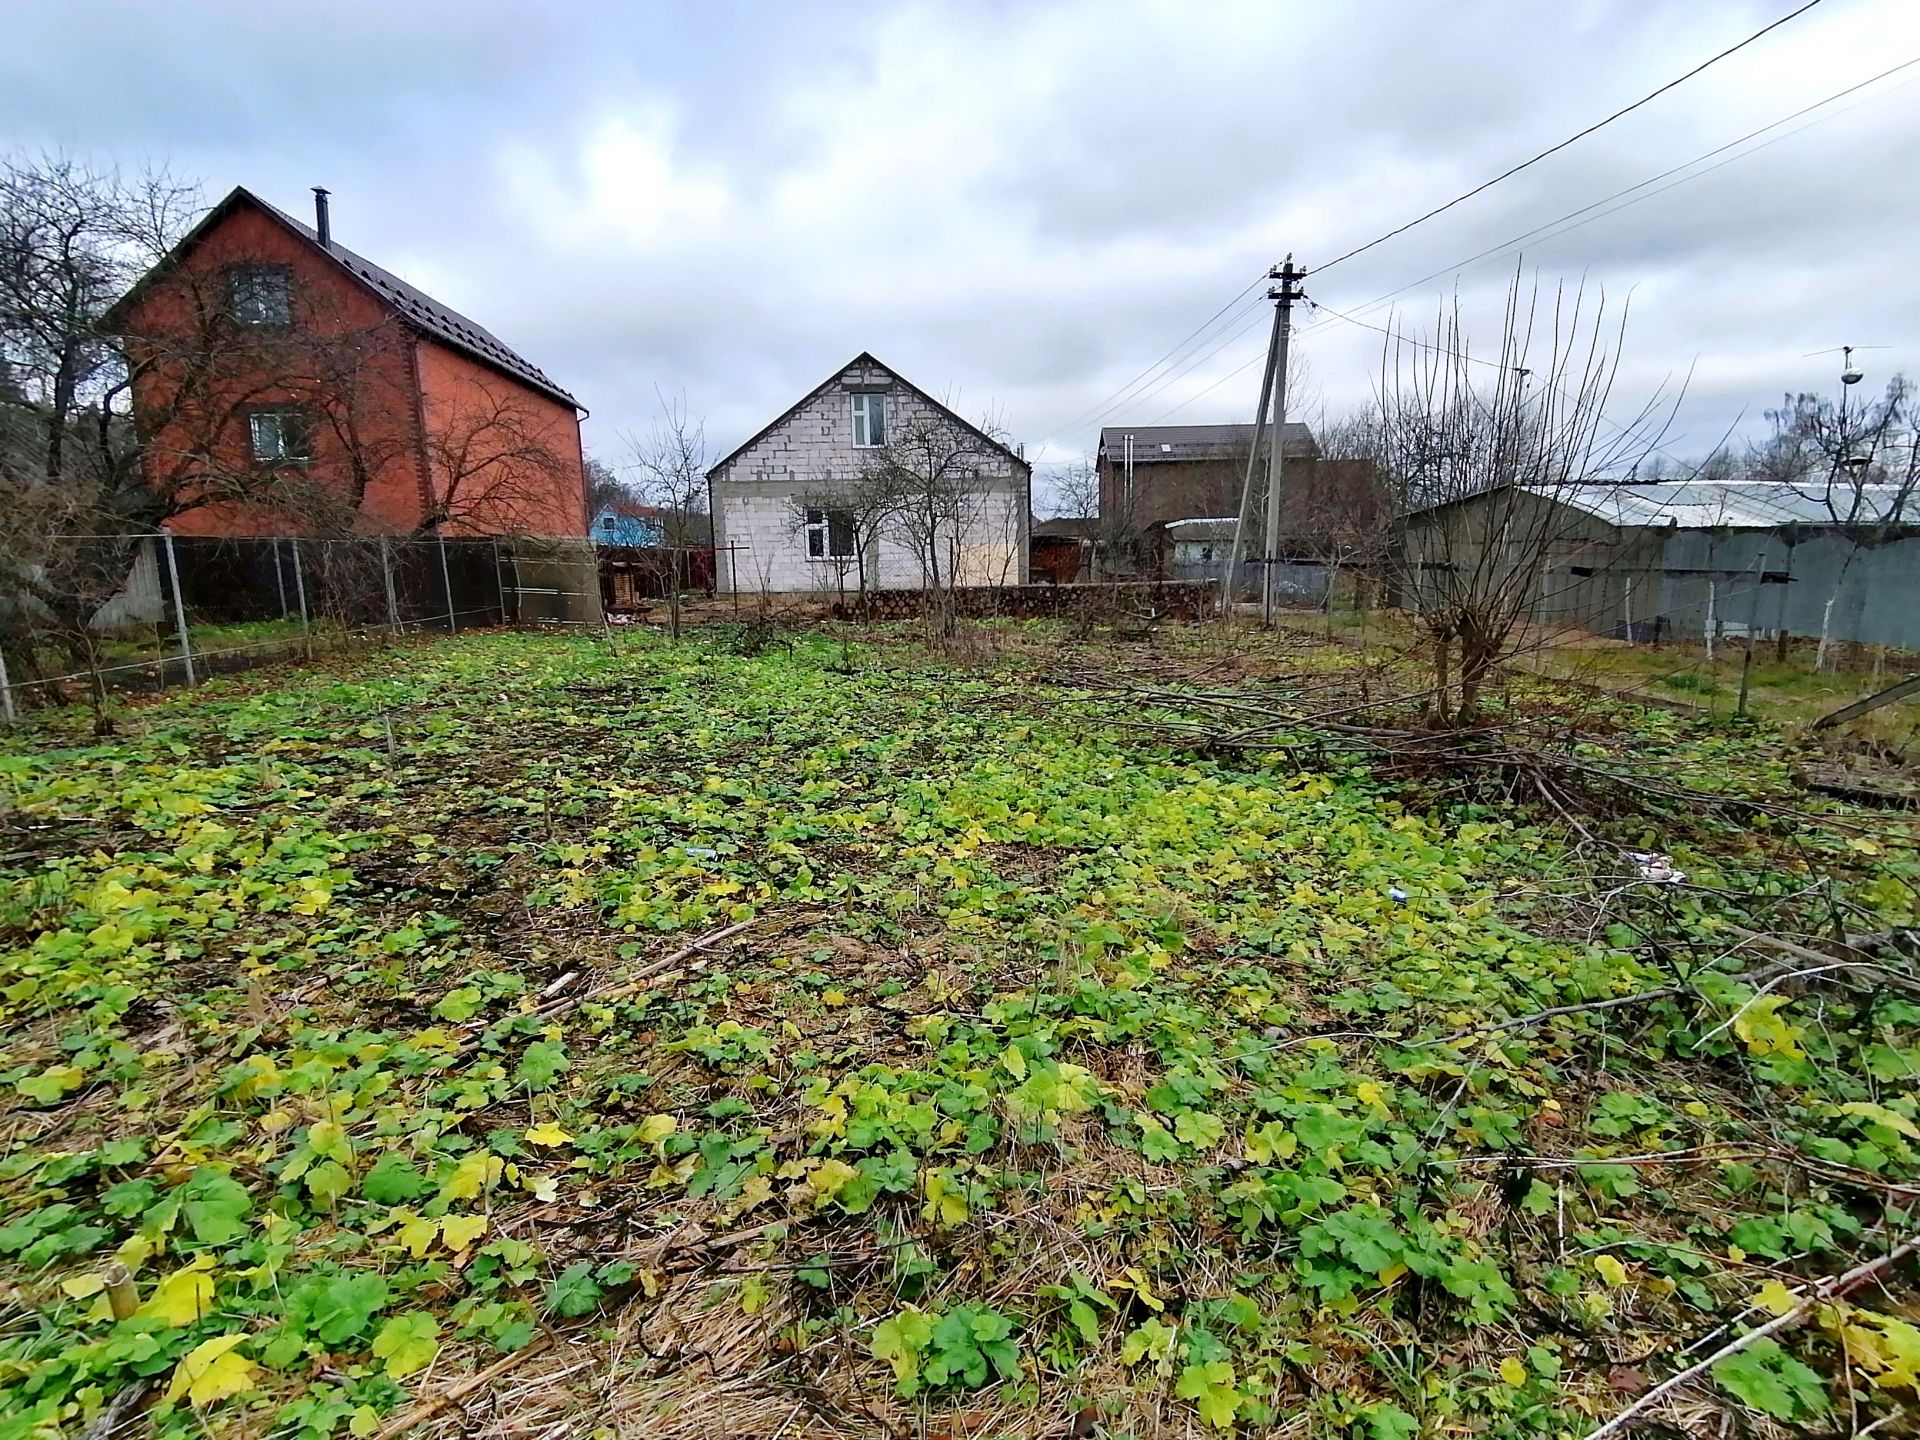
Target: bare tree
[[1476, 452], [839, 523], [937, 471], [491, 460], [604, 486], [670, 466], [72, 238], [1858, 460]]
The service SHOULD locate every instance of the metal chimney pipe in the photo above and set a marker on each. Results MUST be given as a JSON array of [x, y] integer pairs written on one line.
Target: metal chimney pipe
[[322, 223]]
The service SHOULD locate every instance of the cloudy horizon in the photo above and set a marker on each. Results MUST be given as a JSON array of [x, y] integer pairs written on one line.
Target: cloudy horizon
[[1023, 207]]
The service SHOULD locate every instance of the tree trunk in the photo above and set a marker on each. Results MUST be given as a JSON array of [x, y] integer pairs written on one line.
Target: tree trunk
[[1443, 679], [1478, 655]]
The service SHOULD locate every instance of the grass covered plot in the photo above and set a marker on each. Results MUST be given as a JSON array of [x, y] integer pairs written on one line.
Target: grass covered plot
[[509, 1035]]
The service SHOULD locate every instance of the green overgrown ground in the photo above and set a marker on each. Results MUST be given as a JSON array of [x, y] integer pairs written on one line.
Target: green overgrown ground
[[1041, 1077]]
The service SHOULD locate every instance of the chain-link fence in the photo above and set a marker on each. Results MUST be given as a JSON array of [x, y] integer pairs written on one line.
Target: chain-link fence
[[91, 614]]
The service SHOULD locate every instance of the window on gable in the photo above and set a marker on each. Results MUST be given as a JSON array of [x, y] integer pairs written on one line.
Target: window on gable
[[869, 421], [260, 295], [829, 535], [279, 437]]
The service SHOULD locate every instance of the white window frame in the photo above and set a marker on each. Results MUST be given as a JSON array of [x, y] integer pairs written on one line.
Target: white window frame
[[288, 423], [863, 418], [819, 530]]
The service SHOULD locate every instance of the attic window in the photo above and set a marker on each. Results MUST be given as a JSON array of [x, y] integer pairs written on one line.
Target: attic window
[[1165, 449], [260, 294], [869, 421]]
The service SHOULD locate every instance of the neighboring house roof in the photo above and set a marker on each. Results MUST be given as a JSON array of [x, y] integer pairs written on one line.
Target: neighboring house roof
[[1201, 528], [864, 357], [1733, 504], [1065, 528], [1160, 444], [438, 321], [633, 510], [698, 525]]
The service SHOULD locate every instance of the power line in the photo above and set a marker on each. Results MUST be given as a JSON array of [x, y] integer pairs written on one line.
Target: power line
[[1547, 229], [1554, 228], [1101, 408], [1571, 139], [1131, 393]]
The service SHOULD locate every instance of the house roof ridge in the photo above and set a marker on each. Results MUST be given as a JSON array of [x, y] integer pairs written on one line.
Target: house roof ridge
[[713, 471], [438, 321]]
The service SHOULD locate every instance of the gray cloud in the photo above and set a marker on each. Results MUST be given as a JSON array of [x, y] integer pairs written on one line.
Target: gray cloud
[[1025, 204]]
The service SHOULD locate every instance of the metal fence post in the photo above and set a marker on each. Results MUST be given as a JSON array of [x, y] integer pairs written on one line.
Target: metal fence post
[[6, 689], [446, 580], [179, 610], [300, 589], [499, 581], [279, 578], [386, 573]]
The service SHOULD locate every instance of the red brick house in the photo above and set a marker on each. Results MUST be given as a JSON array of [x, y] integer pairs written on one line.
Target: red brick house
[[284, 384]]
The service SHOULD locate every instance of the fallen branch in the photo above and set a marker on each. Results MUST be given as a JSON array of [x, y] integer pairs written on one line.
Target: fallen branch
[[1824, 962], [454, 1394], [1814, 1295], [630, 983]]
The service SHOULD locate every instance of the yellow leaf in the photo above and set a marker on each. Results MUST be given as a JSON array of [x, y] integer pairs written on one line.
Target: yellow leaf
[[182, 1298], [212, 1371], [1134, 1280], [1881, 1115], [655, 1129], [460, 1231], [78, 1287], [365, 1421], [833, 997], [1392, 1273], [1015, 1062], [1775, 1298], [1610, 1269], [547, 1133], [1368, 1093], [756, 1190], [473, 1174], [829, 1178], [417, 1236], [1766, 1031], [1513, 1372]]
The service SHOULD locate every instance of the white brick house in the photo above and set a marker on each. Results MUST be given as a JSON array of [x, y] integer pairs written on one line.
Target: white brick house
[[776, 526]]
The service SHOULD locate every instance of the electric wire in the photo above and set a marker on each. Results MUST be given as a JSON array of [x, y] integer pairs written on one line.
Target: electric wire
[[1579, 135], [1126, 395]]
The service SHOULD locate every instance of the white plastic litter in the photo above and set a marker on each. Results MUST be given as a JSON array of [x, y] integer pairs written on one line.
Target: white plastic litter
[[1655, 867]]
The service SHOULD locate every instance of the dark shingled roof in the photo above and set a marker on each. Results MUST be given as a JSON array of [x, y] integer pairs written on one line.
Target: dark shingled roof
[[440, 322], [1064, 527], [1155, 444]]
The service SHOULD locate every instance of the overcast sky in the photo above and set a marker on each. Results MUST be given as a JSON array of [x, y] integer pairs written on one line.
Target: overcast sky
[[1023, 206]]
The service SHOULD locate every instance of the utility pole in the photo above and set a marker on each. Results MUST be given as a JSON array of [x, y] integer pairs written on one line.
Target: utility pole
[[1284, 296], [1246, 485]]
